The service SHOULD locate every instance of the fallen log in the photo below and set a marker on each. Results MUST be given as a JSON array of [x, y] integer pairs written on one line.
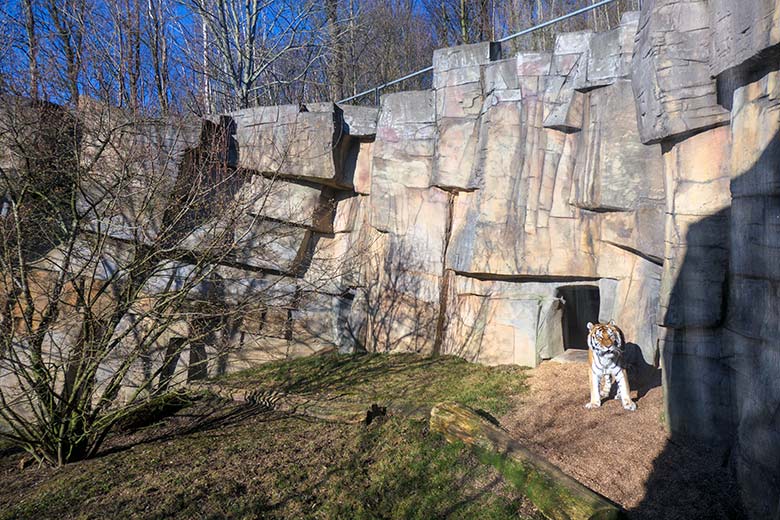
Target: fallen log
[[555, 494]]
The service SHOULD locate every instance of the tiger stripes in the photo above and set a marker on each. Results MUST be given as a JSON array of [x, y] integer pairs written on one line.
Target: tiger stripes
[[605, 357]]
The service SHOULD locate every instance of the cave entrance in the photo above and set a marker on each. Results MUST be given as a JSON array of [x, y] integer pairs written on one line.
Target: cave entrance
[[581, 305]]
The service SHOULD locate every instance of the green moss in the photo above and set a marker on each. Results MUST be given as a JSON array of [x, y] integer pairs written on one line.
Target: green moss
[[547, 495]]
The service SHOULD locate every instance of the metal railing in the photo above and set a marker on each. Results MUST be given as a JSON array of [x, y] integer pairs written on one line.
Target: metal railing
[[376, 90]]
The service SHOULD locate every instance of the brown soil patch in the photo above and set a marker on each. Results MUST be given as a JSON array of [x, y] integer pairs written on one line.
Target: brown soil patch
[[626, 456]]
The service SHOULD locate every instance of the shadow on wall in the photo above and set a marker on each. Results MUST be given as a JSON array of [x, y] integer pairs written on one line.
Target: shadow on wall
[[721, 354]]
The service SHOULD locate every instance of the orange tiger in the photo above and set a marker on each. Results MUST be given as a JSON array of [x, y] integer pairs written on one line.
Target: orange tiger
[[605, 357]]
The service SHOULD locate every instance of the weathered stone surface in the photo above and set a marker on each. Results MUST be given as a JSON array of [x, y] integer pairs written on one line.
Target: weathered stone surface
[[671, 78], [635, 304], [360, 121], [614, 170], [576, 42], [457, 78], [721, 356], [695, 270], [404, 147], [563, 104], [756, 137], [609, 55], [455, 151], [361, 177], [320, 322], [495, 323], [754, 300], [298, 203], [292, 144], [641, 231], [696, 251], [697, 384], [403, 269], [269, 245], [461, 64], [504, 227], [149, 161], [566, 109], [741, 31]]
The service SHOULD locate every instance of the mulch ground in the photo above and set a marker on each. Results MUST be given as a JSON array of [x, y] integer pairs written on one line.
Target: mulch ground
[[626, 456]]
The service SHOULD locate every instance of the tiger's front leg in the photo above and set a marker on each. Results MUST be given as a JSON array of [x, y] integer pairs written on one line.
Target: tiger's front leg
[[595, 396], [624, 390]]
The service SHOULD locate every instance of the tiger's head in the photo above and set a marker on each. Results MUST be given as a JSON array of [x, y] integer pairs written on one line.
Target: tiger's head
[[605, 338]]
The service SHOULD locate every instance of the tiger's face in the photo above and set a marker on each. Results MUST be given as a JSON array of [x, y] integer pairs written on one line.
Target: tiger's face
[[604, 337]]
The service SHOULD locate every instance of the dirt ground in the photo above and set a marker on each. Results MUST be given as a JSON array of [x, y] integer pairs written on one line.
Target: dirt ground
[[626, 456]]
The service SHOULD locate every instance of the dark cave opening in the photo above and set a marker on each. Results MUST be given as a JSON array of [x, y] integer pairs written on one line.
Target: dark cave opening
[[581, 305]]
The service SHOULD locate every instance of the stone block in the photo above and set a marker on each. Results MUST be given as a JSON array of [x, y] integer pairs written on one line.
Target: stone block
[[268, 244], [496, 323], [360, 121], [671, 79], [741, 31], [755, 232], [461, 64], [293, 202], [608, 57], [455, 153], [320, 322], [404, 147], [361, 178], [641, 231], [564, 109], [755, 130], [572, 42], [501, 75], [697, 173], [614, 170], [695, 269], [698, 385], [306, 146], [533, 63]]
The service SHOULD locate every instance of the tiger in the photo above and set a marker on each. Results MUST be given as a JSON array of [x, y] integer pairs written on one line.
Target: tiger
[[605, 357]]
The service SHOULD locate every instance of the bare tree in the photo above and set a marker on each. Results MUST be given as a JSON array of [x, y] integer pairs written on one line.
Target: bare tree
[[118, 241], [249, 38], [68, 18]]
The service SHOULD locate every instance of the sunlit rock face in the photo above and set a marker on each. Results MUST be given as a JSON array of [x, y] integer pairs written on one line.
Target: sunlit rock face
[[674, 91]]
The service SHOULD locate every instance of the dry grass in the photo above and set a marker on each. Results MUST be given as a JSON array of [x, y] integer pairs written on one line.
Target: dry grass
[[218, 459]]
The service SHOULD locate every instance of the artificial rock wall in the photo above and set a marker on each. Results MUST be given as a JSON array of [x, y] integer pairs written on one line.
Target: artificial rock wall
[[643, 162]]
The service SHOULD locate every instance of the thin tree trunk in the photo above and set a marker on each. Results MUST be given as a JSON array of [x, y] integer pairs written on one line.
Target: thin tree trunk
[[464, 25], [207, 101], [336, 65], [32, 45]]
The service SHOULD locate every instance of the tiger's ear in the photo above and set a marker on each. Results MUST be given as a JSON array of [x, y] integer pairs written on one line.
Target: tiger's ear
[[590, 325], [612, 323]]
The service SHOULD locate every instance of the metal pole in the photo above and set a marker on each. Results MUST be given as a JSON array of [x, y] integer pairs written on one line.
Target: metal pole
[[375, 90], [376, 96]]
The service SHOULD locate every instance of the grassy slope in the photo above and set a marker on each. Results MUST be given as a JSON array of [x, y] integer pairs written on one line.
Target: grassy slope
[[218, 459]]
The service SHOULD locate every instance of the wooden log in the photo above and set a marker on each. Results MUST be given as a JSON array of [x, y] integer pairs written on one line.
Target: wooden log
[[555, 494]]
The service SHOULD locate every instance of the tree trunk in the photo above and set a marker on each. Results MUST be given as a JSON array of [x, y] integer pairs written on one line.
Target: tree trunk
[[32, 44], [464, 23], [335, 67], [554, 493]]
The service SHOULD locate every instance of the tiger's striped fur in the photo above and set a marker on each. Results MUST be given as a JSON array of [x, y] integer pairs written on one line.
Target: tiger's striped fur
[[605, 357]]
